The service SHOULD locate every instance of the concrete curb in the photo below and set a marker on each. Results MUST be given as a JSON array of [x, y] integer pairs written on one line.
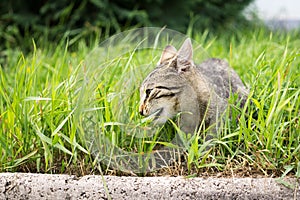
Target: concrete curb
[[47, 186]]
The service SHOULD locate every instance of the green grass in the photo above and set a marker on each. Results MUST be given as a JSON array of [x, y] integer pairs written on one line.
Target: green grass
[[55, 110]]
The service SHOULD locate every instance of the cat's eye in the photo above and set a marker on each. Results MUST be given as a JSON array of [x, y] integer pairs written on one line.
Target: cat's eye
[[164, 92], [148, 91], [165, 95]]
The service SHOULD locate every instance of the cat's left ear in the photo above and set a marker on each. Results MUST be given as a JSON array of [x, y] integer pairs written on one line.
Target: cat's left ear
[[168, 53], [185, 56]]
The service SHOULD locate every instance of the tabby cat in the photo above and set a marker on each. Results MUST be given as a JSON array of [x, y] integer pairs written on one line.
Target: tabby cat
[[196, 93]]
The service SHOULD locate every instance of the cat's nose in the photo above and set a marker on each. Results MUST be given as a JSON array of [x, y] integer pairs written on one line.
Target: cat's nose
[[141, 110]]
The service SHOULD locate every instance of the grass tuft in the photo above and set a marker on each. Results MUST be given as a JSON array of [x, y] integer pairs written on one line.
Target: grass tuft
[[52, 121]]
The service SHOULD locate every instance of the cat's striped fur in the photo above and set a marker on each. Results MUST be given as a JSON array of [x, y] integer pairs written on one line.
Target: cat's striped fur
[[196, 92]]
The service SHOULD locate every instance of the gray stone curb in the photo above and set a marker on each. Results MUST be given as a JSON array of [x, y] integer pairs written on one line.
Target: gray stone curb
[[46, 186]]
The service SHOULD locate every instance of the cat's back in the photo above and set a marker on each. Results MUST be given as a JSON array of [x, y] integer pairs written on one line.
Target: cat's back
[[221, 77]]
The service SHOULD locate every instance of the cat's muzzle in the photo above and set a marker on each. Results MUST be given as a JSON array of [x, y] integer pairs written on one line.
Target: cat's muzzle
[[153, 116]]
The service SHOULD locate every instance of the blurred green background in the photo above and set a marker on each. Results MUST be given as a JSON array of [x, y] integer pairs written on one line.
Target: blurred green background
[[54, 20]]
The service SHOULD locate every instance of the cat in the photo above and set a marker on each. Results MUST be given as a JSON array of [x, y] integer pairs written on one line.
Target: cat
[[197, 94]]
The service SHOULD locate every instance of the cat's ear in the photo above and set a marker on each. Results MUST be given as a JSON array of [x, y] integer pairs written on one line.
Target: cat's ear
[[186, 50], [185, 56], [168, 53]]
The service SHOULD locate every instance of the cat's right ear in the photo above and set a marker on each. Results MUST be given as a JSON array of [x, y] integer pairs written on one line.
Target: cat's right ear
[[168, 53]]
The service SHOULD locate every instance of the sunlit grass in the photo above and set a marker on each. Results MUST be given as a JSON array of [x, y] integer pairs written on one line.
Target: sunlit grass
[[50, 122]]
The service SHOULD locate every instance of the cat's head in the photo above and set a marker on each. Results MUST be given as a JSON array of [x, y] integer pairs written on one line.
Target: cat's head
[[161, 93]]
